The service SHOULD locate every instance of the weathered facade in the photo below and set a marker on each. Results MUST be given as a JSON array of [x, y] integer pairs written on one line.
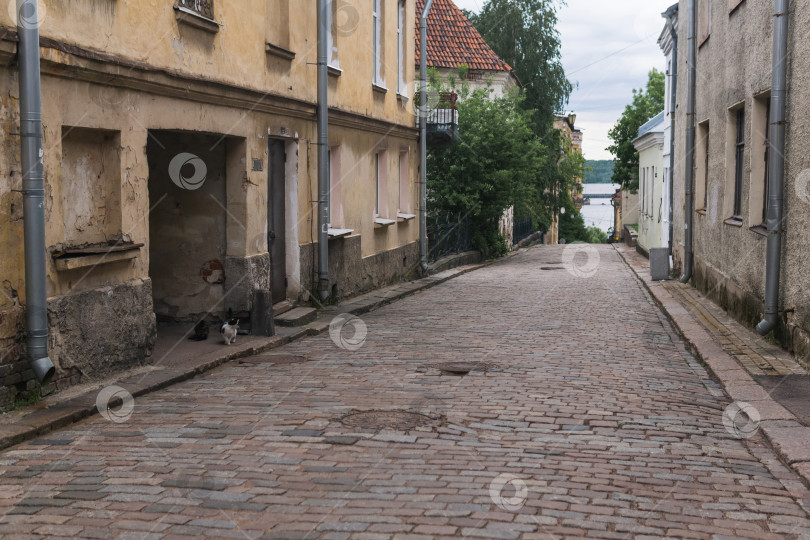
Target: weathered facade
[[734, 66], [181, 167]]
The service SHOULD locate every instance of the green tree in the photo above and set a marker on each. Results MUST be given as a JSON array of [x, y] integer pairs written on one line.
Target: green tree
[[646, 104], [493, 166], [524, 33]]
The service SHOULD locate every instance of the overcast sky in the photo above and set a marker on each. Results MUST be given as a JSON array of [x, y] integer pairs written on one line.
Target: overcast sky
[[608, 47]]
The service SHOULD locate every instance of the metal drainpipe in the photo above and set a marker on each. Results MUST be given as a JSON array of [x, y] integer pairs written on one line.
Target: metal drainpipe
[[36, 303], [776, 167], [323, 151], [423, 136], [673, 103], [691, 88]]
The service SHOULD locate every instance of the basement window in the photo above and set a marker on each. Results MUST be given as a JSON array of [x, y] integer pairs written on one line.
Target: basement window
[[198, 14]]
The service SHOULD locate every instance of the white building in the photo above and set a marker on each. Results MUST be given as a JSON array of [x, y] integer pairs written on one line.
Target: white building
[[652, 185], [668, 46]]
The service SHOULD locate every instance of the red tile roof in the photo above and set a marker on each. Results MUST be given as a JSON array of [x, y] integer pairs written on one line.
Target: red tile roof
[[453, 40]]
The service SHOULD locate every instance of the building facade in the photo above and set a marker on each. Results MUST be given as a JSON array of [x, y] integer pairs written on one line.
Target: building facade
[[572, 141], [733, 90], [652, 185], [181, 167]]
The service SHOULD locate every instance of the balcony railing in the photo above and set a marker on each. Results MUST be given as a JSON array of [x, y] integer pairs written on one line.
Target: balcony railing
[[442, 118], [204, 8]]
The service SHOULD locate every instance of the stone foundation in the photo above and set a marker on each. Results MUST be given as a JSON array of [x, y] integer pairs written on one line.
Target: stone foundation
[[98, 332], [350, 274], [16, 377], [740, 304]]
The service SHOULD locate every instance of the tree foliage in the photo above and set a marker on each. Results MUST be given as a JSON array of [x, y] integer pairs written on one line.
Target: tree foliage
[[647, 103], [524, 33], [494, 165], [599, 171]]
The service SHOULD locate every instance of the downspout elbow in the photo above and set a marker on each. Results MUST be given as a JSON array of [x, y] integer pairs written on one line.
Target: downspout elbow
[[767, 324]]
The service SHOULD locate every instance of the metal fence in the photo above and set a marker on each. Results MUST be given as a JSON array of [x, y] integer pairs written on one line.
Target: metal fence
[[523, 229], [447, 235]]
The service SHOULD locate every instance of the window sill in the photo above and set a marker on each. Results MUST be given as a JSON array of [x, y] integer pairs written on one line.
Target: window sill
[[734, 221], [279, 52], [379, 89], [339, 233], [192, 18], [760, 230], [403, 218], [72, 259], [403, 98], [381, 223], [334, 71]]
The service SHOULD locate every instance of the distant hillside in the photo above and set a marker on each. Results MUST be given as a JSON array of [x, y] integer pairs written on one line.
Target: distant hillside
[[601, 173]]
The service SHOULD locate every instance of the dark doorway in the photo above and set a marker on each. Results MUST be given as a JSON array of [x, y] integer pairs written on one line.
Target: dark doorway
[[187, 223], [276, 219]]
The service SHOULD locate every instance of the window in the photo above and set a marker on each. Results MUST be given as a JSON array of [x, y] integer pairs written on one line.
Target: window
[[760, 143], [377, 56], [381, 185], [401, 48], [704, 20], [702, 166], [278, 25], [404, 191], [335, 208], [738, 162], [331, 23]]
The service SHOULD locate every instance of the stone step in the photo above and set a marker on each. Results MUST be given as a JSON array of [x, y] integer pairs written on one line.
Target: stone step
[[297, 317], [282, 307]]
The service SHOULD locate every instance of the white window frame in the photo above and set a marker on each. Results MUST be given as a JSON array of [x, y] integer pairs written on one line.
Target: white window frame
[[377, 42], [401, 47], [377, 184], [331, 36]]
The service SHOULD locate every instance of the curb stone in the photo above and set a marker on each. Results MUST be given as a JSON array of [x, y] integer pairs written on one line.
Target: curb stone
[[61, 414], [789, 439]]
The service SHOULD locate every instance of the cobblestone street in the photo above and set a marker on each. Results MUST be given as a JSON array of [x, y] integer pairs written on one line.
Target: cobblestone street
[[586, 418]]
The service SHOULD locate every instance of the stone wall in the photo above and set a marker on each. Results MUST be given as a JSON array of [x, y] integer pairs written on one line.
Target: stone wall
[[98, 332], [350, 274]]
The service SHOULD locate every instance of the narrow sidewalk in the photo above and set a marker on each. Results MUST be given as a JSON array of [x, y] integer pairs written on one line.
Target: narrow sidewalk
[[768, 387], [172, 363]]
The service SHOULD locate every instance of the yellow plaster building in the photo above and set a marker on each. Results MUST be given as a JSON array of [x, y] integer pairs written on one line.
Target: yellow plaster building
[[181, 166]]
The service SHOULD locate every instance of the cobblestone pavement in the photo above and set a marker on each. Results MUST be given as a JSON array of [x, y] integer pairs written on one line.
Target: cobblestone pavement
[[592, 421]]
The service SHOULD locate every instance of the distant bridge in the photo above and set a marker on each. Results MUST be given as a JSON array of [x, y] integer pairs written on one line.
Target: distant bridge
[[599, 196]]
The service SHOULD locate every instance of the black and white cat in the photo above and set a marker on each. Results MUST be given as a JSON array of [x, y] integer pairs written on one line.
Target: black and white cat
[[229, 331]]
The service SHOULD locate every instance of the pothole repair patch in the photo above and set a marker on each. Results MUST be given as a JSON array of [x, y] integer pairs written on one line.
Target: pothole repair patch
[[463, 368], [392, 419]]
